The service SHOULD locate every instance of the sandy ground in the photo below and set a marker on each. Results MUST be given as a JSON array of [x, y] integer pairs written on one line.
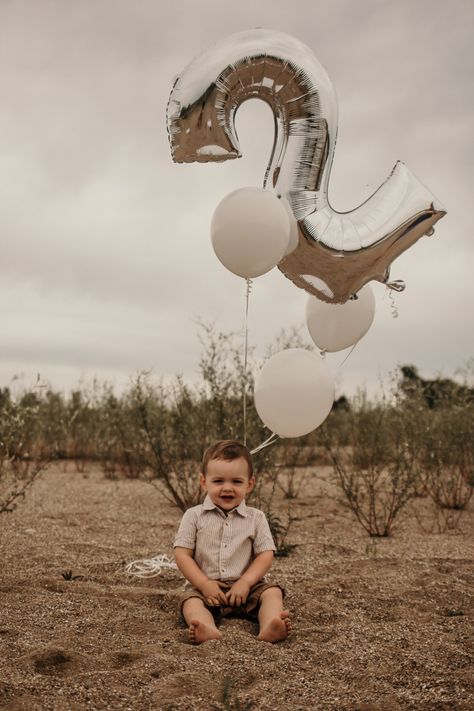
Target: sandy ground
[[377, 626]]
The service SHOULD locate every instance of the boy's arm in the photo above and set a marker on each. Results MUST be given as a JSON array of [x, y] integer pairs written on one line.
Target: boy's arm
[[260, 565], [263, 548], [192, 572]]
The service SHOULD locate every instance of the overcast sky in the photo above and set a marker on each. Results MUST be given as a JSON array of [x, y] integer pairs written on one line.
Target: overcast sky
[[106, 261]]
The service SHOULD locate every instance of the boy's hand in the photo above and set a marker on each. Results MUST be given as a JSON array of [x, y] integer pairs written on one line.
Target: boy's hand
[[213, 593], [238, 593]]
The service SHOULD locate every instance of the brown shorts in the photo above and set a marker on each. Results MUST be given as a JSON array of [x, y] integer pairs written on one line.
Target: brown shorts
[[250, 607]]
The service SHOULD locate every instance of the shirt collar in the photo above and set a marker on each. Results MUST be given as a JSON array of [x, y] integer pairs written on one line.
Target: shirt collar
[[208, 505]]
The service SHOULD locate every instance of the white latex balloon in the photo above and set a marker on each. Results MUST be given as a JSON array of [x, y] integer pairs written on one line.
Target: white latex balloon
[[334, 327], [294, 392], [250, 231]]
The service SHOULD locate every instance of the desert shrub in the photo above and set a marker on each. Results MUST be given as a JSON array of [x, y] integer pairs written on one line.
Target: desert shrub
[[375, 468], [25, 446], [51, 415], [280, 529], [108, 445], [292, 462], [446, 454], [81, 418], [337, 426], [116, 433], [441, 417], [169, 451]]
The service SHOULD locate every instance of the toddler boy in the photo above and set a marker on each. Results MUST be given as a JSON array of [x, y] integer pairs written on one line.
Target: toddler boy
[[224, 548]]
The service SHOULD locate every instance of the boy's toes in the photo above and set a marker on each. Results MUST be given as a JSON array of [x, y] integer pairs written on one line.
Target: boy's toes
[[199, 632], [285, 616], [192, 633]]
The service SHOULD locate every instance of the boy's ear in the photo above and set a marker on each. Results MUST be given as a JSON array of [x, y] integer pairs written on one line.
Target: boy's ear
[[202, 480], [251, 484]]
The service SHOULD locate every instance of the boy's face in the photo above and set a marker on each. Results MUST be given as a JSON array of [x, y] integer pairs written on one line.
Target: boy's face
[[227, 483]]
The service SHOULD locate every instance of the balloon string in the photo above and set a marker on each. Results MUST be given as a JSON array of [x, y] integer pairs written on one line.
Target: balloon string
[[247, 298], [270, 440], [149, 567], [392, 304], [349, 354], [393, 307]]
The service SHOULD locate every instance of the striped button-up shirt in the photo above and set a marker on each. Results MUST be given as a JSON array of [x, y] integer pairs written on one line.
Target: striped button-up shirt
[[224, 545]]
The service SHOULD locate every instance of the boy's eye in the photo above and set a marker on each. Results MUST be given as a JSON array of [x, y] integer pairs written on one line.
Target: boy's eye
[[234, 481]]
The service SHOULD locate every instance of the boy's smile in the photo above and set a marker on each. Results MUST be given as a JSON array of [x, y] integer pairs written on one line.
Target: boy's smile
[[227, 482]]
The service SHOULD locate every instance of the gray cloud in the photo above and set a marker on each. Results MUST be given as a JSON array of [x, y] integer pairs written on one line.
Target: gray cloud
[[106, 258]]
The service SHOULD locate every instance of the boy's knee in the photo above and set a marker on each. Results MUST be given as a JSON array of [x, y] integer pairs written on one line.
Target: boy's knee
[[192, 603], [273, 593]]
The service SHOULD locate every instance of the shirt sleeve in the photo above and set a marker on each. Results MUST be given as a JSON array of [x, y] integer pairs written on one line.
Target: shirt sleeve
[[263, 540], [186, 536]]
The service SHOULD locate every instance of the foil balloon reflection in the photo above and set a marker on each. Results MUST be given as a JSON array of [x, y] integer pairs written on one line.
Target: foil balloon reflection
[[335, 254]]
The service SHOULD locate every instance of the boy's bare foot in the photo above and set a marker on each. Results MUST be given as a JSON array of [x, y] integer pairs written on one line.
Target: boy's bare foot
[[200, 632], [277, 629]]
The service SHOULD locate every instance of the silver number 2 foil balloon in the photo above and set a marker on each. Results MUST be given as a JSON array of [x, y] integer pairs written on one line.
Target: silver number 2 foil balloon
[[336, 253]]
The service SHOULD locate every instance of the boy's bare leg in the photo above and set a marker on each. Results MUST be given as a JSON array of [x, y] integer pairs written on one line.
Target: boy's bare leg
[[275, 623], [201, 623]]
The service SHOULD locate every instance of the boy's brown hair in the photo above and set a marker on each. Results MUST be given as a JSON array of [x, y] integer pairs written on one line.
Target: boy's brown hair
[[227, 449]]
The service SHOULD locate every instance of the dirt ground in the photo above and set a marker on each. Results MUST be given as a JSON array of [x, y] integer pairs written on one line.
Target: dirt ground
[[378, 625]]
